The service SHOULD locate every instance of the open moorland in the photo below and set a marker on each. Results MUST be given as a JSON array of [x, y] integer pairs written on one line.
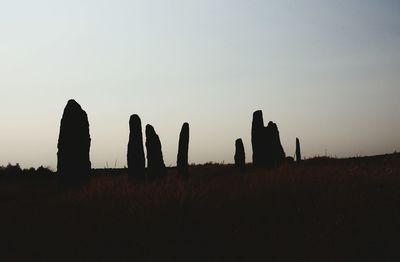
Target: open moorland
[[321, 209]]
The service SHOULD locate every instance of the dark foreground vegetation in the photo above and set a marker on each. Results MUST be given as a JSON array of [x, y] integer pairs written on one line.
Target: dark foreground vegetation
[[318, 210]]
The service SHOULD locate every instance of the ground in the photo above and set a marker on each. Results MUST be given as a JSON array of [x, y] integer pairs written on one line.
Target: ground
[[319, 210]]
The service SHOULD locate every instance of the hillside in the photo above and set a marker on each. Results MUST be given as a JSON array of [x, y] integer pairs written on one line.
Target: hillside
[[319, 210]]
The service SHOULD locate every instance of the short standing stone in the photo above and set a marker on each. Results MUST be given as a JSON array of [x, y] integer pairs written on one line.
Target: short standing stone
[[240, 158], [73, 159], [136, 159], [183, 148], [155, 161]]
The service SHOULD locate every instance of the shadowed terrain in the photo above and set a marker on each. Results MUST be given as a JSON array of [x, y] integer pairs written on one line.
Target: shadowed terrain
[[319, 210]]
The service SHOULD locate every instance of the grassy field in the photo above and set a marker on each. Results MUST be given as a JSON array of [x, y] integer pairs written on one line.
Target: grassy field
[[319, 210]]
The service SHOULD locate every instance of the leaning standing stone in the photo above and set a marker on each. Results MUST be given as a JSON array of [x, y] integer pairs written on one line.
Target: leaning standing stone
[[155, 161]]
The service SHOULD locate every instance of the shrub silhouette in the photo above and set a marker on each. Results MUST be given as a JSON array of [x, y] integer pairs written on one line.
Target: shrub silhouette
[[289, 160]]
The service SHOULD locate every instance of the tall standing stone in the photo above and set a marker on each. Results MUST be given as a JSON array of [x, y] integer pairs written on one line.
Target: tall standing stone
[[155, 161], [136, 159], [298, 151], [240, 158], [266, 143], [183, 148], [258, 139], [73, 160]]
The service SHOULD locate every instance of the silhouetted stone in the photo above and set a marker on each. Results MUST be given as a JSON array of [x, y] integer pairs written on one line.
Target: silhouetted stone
[[266, 143], [136, 160], [258, 139], [240, 158], [298, 151], [155, 161], [183, 148], [275, 154], [73, 161]]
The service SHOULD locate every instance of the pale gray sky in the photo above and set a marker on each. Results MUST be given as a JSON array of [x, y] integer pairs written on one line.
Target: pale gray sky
[[325, 71]]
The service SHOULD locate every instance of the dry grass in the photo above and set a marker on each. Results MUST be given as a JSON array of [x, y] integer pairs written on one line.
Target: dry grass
[[320, 210]]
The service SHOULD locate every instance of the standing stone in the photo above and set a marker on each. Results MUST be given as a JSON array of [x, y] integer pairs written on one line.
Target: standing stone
[[240, 158], [266, 143], [136, 160], [298, 151], [183, 148], [155, 161], [275, 154], [258, 139], [73, 161]]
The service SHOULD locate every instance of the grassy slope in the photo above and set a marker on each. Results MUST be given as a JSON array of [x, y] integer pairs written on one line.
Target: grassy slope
[[320, 210]]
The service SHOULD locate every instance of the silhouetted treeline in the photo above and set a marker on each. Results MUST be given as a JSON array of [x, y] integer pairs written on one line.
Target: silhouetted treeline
[[11, 171]]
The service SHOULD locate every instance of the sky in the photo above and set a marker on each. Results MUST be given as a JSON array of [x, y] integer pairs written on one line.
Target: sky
[[327, 72]]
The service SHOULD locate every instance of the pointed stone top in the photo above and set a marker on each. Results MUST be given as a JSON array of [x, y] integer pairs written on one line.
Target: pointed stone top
[[73, 104], [73, 109]]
